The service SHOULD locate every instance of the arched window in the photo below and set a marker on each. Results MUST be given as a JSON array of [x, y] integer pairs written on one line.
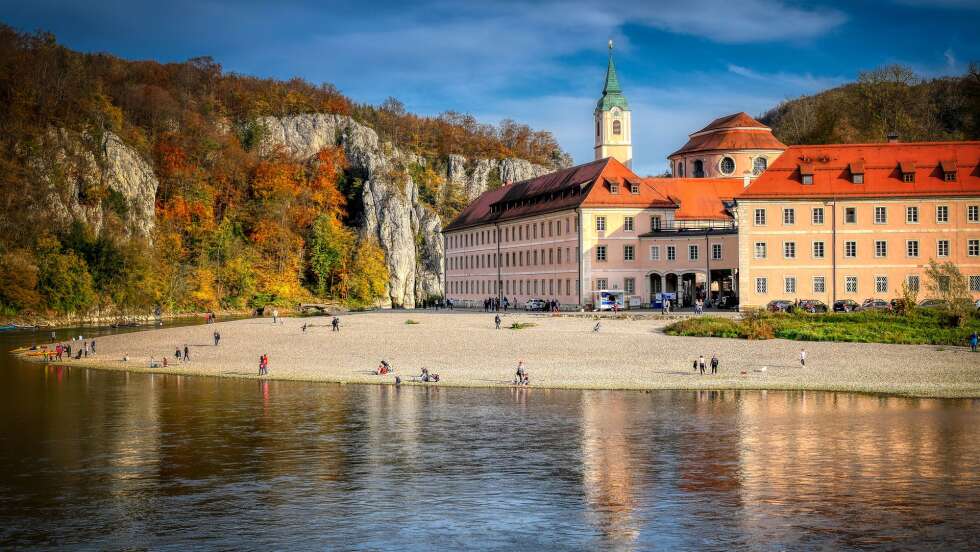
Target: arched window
[[760, 164], [698, 169], [727, 166], [617, 127], [680, 169], [597, 128]]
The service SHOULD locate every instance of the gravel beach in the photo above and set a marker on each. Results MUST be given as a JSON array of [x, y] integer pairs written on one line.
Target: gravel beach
[[559, 352]]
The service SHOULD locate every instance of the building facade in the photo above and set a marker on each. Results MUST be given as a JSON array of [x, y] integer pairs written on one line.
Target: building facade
[[733, 146], [856, 221]]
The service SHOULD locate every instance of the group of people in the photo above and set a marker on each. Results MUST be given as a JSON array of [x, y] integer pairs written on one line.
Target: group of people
[[210, 318], [186, 357], [699, 306], [700, 364], [263, 365], [495, 304], [63, 350], [522, 376]]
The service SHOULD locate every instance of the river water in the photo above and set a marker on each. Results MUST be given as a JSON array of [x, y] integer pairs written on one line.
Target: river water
[[115, 461]]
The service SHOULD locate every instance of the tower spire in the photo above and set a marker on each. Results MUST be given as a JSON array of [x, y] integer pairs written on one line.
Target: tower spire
[[612, 93]]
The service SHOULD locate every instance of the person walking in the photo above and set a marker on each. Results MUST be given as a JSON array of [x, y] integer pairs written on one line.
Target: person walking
[[93, 346], [714, 363], [701, 364], [496, 320], [974, 339], [803, 357], [217, 338], [335, 323], [187, 354], [177, 354], [275, 316]]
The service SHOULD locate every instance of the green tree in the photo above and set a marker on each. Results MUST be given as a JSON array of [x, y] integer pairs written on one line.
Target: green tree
[[330, 250], [949, 285]]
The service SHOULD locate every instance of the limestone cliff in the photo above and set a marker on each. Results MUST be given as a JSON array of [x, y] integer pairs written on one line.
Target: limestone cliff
[[113, 185], [407, 228]]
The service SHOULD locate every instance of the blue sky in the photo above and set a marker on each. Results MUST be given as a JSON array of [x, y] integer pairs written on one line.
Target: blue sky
[[681, 64]]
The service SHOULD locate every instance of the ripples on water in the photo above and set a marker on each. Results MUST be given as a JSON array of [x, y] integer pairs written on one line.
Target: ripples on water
[[108, 460]]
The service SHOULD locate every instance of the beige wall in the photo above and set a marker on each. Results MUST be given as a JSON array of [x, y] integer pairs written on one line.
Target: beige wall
[[895, 265], [607, 144], [744, 160]]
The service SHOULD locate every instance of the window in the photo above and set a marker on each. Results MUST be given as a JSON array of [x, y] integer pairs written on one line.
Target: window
[[654, 252], [949, 176], [881, 215], [881, 284], [850, 249], [881, 248], [654, 224], [629, 253], [635, 189], [600, 253], [807, 179], [818, 250], [760, 285], [601, 283], [759, 164], [789, 216], [716, 251], [671, 253], [692, 252], [760, 250], [974, 282], [912, 248], [789, 250], [597, 133], [628, 224], [613, 188], [857, 178], [973, 248], [629, 286], [819, 284], [698, 169], [850, 215], [908, 177], [760, 217], [680, 169], [942, 213], [942, 248], [600, 224], [789, 284], [851, 284], [973, 213], [617, 127], [912, 215], [818, 215], [913, 282], [727, 165]]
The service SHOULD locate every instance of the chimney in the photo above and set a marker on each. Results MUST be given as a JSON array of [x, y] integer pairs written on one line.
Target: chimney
[[893, 137], [746, 180]]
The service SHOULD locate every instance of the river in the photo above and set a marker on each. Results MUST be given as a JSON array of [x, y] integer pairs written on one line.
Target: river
[[109, 460]]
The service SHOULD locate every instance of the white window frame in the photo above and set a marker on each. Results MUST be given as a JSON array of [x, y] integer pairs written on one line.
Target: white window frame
[[654, 252], [600, 223], [913, 278], [853, 245], [759, 217], [601, 255], [755, 250], [912, 214], [671, 252], [789, 216], [881, 282], [693, 252], [973, 248], [942, 214], [942, 248], [853, 210], [787, 287], [629, 253], [819, 284], [601, 283], [881, 248], [762, 285], [789, 250], [881, 214], [716, 252], [823, 249], [848, 280], [973, 213], [629, 224], [629, 286], [814, 218], [974, 282], [909, 246]]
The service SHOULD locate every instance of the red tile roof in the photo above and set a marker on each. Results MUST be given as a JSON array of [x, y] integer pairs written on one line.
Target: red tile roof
[[883, 165], [698, 198], [732, 132], [557, 191]]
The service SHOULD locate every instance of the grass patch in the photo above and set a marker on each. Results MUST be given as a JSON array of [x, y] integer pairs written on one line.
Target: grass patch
[[522, 325], [411, 322], [919, 327]]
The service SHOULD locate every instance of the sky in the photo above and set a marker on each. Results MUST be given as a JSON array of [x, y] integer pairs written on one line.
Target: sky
[[681, 64]]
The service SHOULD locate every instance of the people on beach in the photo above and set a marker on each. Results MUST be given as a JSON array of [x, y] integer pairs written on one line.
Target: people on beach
[[177, 354], [93, 346], [522, 375], [304, 327], [264, 365], [383, 368], [496, 320], [714, 363], [803, 357], [217, 338], [596, 327], [701, 364], [974, 339], [187, 354], [335, 323], [275, 316]]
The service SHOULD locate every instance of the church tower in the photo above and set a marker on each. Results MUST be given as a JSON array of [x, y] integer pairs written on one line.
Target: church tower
[[613, 130]]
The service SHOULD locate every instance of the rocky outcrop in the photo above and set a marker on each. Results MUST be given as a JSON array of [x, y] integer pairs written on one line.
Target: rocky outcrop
[[405, 226], [97, 182]]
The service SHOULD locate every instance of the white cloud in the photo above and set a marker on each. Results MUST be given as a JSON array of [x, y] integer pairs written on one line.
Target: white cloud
[[950, 57], [801, 82]]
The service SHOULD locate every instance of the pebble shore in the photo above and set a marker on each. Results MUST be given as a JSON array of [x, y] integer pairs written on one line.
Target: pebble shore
[[559, 352]]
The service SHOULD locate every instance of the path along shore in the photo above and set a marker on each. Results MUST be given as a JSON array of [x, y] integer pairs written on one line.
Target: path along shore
[[559, 352]]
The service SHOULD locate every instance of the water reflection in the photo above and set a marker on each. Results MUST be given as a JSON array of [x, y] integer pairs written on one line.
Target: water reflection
[[116, 460]]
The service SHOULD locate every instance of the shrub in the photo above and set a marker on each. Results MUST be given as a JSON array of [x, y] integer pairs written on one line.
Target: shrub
[[522, 325], [411, 322]]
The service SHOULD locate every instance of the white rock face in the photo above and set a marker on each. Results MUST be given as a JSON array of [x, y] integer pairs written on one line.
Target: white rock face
[[408, 231], [73, 171]]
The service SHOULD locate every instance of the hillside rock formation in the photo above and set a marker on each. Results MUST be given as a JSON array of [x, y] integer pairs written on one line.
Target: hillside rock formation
[[407, 228]]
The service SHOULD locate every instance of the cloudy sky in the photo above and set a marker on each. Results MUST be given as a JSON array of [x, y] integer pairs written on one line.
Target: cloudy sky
[[681, 64]]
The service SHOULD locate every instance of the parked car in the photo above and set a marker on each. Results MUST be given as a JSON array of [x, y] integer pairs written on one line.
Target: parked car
[[845, 305], [779, 305], [812, 306], [932, 304], [534, 305], [875, 304], [728, 302]]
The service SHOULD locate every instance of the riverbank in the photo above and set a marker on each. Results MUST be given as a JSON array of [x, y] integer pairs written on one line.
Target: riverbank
[[560, 352]]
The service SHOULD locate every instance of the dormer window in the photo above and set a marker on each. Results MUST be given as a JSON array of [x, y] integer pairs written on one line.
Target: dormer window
[[806, 173], [857, 172], [949, 170], [635, 189], [613, 187], [907, 169]]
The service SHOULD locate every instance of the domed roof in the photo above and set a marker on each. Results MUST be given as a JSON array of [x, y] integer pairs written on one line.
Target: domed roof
[[737, 131]]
